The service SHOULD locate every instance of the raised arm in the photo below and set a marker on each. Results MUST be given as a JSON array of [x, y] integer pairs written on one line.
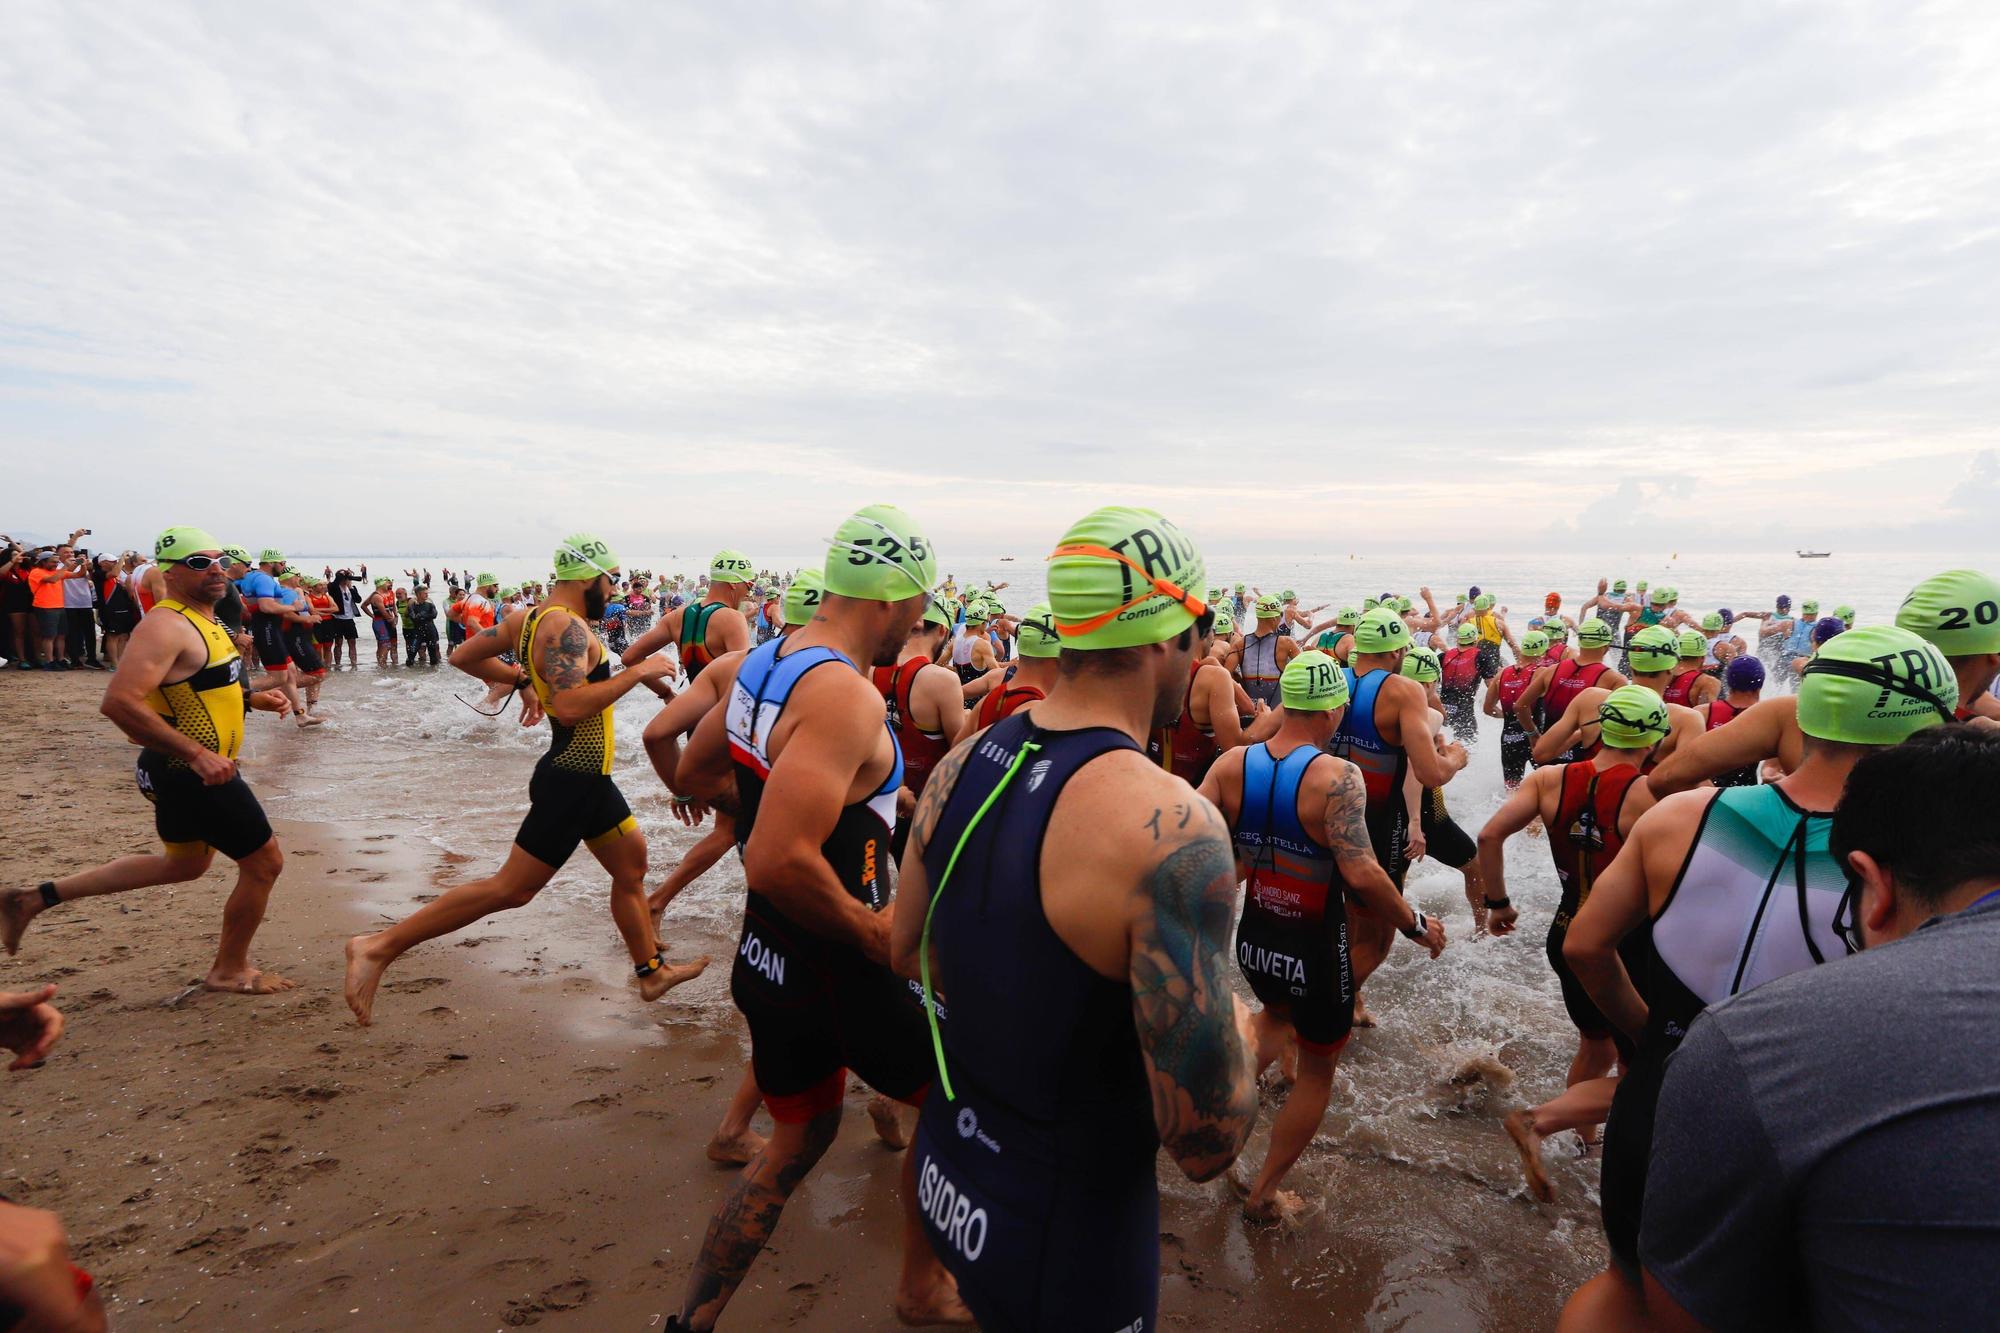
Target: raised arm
[[1565, 730], [1760, 732], [1434, 764]]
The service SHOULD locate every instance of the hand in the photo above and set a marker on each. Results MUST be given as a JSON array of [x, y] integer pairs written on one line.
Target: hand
[[651, 668], [1455, 755], [689, 811], [1603, 586], [29, 1025], [212, 768], [1417, 844], [35, 1273], [906, 803], [1433, 937], [271, 701], [1424, 593], [532, 711], [1502, 920]]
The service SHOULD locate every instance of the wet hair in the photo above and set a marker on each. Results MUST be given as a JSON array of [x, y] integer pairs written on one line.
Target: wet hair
[[1744, 673], [1924, 810]]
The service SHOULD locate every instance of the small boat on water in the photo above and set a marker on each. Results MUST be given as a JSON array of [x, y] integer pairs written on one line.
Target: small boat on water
[[1006, 559], [1814, 555]]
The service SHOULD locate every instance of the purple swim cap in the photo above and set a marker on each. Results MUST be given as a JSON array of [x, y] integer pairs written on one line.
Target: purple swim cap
[[1744, 673], [1828, 627], [1475, 591]]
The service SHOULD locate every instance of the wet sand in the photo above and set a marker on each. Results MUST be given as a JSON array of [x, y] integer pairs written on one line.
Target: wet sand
[[519, 1141]]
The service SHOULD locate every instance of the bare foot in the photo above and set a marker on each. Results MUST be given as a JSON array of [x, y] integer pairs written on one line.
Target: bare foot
[[247, 982], [1288, 1061], [888, 1120], [17, 909], [1521, 1129], [1362, 1018], [364, 974], [306, 721], [655, 984], [1283, 1208], [736, 1151], [936, 1302]]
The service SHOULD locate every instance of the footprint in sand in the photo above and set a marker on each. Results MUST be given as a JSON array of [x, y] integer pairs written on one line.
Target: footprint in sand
[[563, 1296], [416, 985]]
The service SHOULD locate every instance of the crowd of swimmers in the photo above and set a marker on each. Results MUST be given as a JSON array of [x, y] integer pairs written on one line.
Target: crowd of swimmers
[[1013, 868]]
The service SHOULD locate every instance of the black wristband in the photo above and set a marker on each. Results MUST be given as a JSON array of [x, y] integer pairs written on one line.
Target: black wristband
[[1416, 931], [1495, 904]]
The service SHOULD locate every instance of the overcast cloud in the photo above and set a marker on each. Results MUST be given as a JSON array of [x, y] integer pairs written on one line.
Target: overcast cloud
[[442, 276]]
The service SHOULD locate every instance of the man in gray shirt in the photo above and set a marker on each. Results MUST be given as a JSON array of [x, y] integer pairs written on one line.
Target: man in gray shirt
[[1827, 1150]]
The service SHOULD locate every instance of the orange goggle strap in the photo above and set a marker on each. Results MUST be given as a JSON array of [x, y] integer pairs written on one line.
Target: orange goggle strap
[[1158, 587]]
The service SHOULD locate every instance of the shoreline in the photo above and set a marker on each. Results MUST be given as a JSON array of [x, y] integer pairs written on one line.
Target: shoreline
[[519, 1141]]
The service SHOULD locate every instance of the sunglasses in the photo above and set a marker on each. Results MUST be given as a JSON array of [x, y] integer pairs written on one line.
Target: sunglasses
[[200, 562]]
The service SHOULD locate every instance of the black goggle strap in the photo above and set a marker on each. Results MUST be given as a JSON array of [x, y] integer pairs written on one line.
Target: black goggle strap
[[937, 892], [1764, 902], [1874, 673]]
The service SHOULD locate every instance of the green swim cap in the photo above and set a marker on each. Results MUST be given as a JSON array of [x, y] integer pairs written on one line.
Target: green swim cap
[[937, 608], [1381, 631], [1214, 593], [1468, 635], [1288, 596], [1652, 649], [1239, 587], [1691, 644], [1225, 623], [1660, 597], [1483, 602], [1404, 604], [1421, 664], [1369, 604], [1534, 644], [486, 578], [1557, 631], [174, 543], [1618, 585], [802, 596], [1846, 613], [1313, 682], [1712, 621], [1347, 615], [1876, 685], [270, 555], [1119, 579], [878, 555], [1810, 610], [1037, 636], [383, 583], [1958, 610], [1632, 717], [730, 566], [237, 553], [580, 556], [510, 591], [1269, 608]]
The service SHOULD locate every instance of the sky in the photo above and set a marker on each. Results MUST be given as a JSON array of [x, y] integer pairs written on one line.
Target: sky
[[449, 277]]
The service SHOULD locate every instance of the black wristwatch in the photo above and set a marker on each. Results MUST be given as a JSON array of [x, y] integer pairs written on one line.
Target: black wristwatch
[[1495, 904], [1420, 929]]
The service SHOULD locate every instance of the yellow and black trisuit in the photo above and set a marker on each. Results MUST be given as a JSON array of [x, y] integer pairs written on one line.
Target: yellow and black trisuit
[[207, 708], [571, 797]]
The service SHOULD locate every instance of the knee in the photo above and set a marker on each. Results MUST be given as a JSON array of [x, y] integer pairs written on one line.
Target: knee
[[518, 895], [266, 863]]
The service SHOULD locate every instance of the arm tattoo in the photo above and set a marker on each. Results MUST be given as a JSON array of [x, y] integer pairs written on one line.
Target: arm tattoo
[[1347, 818], [1204, 1092], [565, 664], [490, 632]]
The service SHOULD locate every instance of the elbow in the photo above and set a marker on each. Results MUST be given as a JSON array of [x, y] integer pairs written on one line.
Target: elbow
[[1581, 952]]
